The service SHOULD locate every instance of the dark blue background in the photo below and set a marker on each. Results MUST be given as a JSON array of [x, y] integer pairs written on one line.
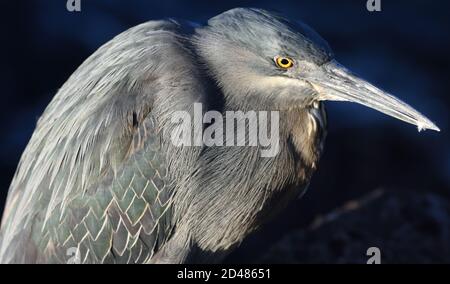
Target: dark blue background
[[404, 49]]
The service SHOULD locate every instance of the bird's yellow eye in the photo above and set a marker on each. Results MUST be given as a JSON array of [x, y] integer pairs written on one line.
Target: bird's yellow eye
[[284, 62]]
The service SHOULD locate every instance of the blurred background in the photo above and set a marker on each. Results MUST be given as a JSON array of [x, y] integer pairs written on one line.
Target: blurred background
[[380, 183]]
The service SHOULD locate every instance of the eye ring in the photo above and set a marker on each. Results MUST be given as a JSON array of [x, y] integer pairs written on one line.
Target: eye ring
[[283, 62]]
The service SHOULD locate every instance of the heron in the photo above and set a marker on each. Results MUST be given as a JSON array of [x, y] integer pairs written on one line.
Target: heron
[[101, 180]]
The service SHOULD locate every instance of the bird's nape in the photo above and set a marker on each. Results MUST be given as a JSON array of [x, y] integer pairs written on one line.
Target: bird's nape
[[335, 83]]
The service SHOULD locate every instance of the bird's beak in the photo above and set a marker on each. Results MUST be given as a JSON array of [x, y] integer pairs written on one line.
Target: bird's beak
[[335, 83]]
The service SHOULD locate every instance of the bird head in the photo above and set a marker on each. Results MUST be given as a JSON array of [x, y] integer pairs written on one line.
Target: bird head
[[258, 56]]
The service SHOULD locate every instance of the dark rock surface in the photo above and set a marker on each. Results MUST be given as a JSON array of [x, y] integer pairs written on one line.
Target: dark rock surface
[[406, 227]]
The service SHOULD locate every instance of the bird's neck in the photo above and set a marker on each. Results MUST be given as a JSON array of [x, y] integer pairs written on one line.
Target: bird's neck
[[302, 130], [237, 183]]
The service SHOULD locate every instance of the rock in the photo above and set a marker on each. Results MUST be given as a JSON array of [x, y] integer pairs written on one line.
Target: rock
[[406, 227]]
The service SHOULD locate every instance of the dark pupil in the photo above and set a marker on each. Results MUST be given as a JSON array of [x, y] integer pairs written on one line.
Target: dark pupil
[[284, 61]]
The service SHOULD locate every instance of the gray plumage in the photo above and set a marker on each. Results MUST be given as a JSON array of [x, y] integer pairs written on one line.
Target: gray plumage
[[100, 173]]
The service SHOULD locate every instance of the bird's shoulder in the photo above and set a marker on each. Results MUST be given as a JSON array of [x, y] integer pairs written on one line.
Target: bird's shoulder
[[94, 174]]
